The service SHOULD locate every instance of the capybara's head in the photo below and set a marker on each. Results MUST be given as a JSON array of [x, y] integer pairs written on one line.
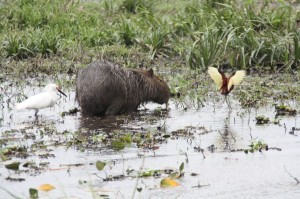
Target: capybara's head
[[155, 88]]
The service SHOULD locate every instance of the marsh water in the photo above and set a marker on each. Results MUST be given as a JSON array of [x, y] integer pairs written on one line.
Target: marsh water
[[211, 147]]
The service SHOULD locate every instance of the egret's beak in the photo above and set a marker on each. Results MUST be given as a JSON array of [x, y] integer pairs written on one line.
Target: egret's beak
[[61, 92]]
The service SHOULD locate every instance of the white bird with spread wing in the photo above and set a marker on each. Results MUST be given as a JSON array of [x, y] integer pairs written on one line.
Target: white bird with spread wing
[[42, 100]]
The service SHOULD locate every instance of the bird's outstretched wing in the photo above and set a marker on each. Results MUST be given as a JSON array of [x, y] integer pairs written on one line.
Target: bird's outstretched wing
[[236, 78], [216, 76]]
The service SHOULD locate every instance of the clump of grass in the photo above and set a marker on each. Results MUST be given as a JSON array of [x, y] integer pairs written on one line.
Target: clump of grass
[[95, 37], [207, 49], [31, 44], [134, 6], [296, 48], [257, 146], [285, 110], [127, 32], [156, 43], [244, 34], [44, 27], [47, 43], [255, 38], [108, 5], [262, 119]]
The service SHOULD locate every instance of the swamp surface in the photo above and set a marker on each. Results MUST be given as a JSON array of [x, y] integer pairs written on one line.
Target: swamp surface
[[225, 153]]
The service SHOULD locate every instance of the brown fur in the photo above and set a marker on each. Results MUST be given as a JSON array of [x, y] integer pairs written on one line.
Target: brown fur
[[104, 88]]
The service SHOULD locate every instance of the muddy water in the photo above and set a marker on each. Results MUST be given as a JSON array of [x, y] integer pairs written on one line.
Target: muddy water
[[221, 173]]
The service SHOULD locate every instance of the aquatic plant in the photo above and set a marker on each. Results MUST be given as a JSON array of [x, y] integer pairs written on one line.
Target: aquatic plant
[[262, 119], [285, 110], [256, 146]]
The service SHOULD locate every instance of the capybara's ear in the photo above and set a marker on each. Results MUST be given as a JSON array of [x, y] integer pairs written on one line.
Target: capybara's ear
[[150, 72]]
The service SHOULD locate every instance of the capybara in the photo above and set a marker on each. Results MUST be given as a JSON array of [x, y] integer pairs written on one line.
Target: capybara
[[105, 88]]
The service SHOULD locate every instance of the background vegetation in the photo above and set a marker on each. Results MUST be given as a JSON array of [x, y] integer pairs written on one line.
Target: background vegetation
[[245, 34]]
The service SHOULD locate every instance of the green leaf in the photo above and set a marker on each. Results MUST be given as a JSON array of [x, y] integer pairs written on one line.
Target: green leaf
[[146, 174], [100, 165], [118, 145], [13, 166], [33, 193], [181, 167]]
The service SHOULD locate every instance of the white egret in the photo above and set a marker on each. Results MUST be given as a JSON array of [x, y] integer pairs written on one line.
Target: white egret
[[42, 100]]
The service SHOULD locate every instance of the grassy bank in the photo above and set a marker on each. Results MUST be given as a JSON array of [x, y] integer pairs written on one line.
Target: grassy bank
[[194, 34]]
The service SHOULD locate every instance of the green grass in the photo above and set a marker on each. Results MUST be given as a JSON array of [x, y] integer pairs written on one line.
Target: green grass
[[244, 34]]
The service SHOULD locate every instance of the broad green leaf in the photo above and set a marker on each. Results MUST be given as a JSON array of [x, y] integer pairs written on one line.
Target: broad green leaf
[[100, 165], [118, 145], [146, 173], [13, 166], [33, 193], [181, 167]]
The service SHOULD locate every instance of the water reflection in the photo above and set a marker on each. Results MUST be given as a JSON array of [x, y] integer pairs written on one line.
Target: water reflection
[[226, 139]]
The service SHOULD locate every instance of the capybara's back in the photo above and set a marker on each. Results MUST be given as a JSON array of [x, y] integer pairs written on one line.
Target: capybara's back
[[104, 88]]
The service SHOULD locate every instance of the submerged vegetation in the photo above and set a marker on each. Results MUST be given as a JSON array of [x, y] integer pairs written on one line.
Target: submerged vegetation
[[285, 110], [244, 34]]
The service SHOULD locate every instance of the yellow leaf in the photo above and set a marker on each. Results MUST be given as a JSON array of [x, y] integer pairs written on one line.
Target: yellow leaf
[[46, 187], [168, 182]]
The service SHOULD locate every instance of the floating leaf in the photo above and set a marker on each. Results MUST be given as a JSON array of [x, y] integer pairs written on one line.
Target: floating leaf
[[149, 173], [13, 166], [33, 193], [100, 165], [46, 187], [168, 182], [262, 120], [118, 145], [146, 173]]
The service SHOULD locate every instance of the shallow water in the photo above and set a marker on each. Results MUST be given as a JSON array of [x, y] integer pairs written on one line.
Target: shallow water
[[223, 174]]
